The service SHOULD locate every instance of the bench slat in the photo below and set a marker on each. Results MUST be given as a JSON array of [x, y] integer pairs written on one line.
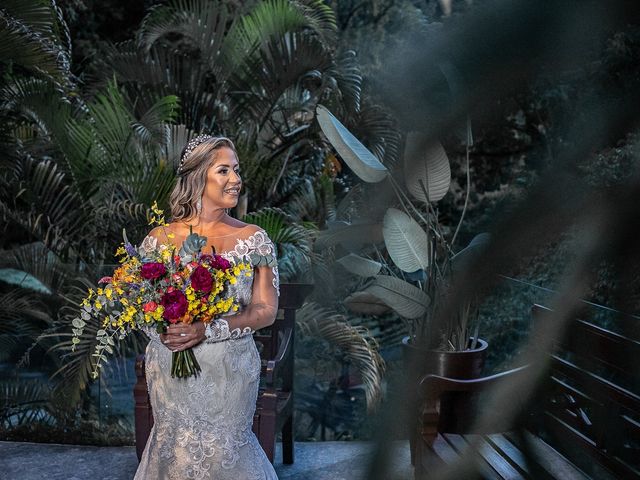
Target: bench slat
[[599, 388], [461, 445], [497, 462], [568, 436], [509, 452]]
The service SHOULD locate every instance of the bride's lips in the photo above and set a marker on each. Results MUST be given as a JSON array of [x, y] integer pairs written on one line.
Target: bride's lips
[[233, 191]]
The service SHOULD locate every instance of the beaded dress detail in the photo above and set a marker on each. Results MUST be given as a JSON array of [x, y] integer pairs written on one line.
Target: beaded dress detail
[[202, 425]]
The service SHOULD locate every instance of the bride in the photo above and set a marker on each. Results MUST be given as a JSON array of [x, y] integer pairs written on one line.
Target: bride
[[202, 425]]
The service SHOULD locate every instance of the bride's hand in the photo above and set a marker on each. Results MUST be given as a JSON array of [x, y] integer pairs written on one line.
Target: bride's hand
[[182, 336]]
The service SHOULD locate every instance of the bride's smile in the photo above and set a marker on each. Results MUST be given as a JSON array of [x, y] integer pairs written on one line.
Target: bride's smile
[[223, 181]]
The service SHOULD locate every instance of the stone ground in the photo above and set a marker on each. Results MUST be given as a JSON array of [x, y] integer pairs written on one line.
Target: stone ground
[[313, 461]]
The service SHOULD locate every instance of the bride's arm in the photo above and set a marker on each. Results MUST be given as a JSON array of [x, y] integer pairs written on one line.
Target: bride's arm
[[260, 313]]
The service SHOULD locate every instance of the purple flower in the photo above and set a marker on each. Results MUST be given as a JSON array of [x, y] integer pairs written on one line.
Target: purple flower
[[130, 249]]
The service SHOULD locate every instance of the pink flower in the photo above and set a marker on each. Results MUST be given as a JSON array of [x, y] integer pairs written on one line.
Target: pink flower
[[201, 280], [175, 305], [153, 270], [105, 280]]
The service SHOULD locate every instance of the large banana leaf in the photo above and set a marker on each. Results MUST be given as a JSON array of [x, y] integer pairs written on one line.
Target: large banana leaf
[[427, 171], [361, 266], [406, 299], [363, 163], [406, 242], [366, 303], [461, 260]]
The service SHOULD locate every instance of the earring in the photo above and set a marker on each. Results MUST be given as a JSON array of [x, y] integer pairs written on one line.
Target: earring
[[199, 206]]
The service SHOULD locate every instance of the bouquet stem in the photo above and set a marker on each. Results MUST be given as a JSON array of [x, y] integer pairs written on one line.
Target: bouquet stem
[[184, 364]]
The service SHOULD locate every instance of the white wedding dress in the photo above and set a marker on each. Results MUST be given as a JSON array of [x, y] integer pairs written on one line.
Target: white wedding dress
[[202, 425]]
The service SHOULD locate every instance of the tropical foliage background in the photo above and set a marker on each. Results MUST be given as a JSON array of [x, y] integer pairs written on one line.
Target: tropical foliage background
[[97, 100]]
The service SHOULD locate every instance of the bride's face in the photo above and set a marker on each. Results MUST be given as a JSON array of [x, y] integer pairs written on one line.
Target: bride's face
[[223, 180]]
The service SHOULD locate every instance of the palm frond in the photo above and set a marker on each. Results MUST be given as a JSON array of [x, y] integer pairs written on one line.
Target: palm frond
[[24, 315], [43, 202], [201, 23], [23, 402], [38, 261], [151, 127], [355, 343], [274, 19], [34, 36], [280, 228]]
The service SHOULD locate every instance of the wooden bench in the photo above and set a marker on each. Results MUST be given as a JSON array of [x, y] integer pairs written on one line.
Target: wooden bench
[[586, 423], [274, 407]]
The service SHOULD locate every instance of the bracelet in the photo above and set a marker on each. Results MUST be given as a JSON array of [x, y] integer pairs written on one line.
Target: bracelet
[[218, 331]]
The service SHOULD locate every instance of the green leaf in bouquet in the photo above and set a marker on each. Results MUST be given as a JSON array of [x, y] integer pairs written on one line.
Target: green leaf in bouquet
[[78, 323], [85, 316], [192, 245]]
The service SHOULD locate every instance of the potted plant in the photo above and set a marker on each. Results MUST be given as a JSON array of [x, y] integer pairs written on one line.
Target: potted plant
[[413, 275]]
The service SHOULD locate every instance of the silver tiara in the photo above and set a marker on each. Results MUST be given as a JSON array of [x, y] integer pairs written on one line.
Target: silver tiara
[[193, 143]]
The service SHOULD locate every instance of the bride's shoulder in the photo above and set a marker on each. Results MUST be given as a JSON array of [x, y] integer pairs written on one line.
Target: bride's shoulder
[[166, 233], [249, 229]]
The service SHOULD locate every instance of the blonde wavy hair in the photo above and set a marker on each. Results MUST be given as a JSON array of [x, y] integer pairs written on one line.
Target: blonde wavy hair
[[192, 175]]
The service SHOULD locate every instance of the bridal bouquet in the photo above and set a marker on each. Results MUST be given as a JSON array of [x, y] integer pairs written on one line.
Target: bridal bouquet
[[157, 285]]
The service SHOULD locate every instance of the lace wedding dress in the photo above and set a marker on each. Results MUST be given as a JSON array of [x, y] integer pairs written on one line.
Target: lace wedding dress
[[202, 425]]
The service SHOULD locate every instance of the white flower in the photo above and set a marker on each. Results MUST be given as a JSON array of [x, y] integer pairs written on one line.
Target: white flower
[[149, 244]]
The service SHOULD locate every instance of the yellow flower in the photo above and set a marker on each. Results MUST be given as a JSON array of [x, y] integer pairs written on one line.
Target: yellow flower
[[108, 292], [97, 305]]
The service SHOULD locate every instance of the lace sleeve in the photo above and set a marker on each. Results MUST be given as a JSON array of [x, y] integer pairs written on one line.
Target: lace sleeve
[[151, 333], [262, 310]]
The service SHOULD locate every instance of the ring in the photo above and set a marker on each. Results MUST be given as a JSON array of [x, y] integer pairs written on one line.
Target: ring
[[183, 334]]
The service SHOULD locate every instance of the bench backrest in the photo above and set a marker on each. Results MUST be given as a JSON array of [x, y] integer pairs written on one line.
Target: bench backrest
[[592, 405]]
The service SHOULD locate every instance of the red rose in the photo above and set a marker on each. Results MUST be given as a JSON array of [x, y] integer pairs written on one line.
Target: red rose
[[216, 261], [150, 307], [175, 305], [151, 271], [201, 280]]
